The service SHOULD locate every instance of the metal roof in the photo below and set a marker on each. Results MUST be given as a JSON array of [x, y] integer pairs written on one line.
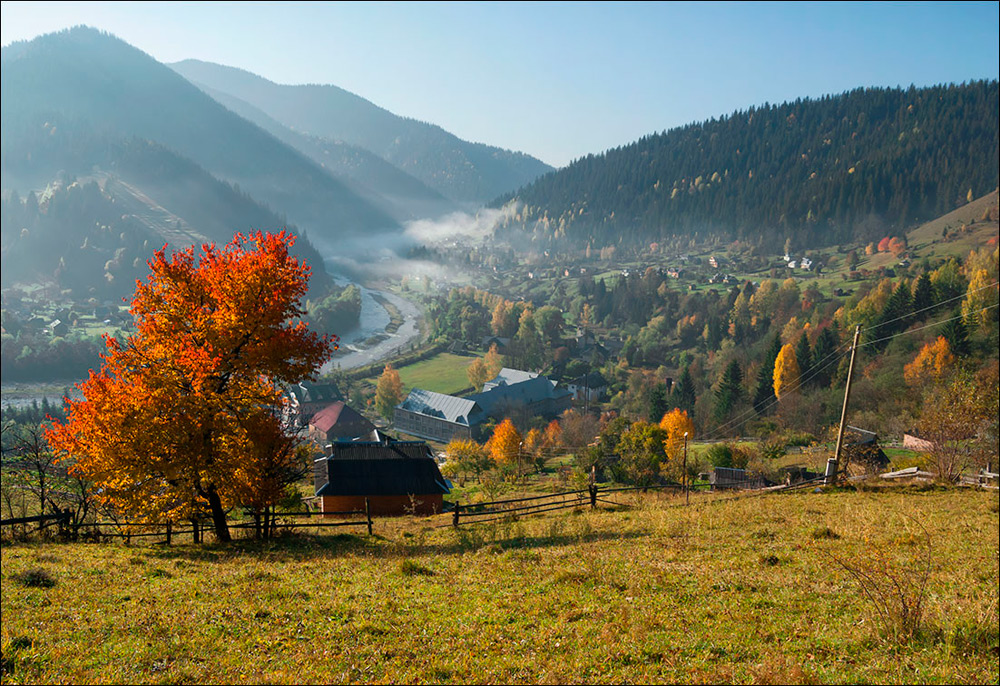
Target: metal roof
[[447, 407], [509, 377]]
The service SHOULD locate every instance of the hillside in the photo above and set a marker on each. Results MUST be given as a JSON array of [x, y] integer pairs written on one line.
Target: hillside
[[389, 188], [463, 171], [94, 90], [840, 168], [744, 591]]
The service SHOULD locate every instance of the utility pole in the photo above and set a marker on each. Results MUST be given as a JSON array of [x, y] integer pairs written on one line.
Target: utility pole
[[831, 469], [687, 495]]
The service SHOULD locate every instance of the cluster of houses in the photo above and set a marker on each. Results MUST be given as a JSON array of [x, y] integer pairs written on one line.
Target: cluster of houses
[[805, 263], [512, 393], [363, 468]]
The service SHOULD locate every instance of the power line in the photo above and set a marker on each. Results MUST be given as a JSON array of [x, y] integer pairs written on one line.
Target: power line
[[926, 326], [930, 307]]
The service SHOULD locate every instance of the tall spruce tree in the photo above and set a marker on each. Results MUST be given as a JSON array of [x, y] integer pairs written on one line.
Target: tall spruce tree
[[729, 391], [826, 346], [803, 353], [923, 296], [957, 334], [763, 395], [684, 395], [895, 316]]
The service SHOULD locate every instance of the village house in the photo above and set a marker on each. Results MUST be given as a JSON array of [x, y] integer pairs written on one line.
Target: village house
[[338, 422], [305, 399], [588, 388], [395, 477], [512, 393]]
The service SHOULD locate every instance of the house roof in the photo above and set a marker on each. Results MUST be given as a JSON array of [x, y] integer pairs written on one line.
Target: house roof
[[592, 380], [337, 419], [379, 468], [508, 377], [308, 392], [448, 407], [525, 392]]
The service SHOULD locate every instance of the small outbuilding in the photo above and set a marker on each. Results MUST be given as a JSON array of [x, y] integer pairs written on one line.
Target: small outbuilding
[[396, 477], [338, 422]]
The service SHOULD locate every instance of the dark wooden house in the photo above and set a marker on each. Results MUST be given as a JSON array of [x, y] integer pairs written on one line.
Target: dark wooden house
[[861, 448], [397, 478]]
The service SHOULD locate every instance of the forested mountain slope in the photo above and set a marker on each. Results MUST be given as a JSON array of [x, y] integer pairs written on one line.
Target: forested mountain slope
[[371, 177], [463, 171], [90, 90], [838, 168]]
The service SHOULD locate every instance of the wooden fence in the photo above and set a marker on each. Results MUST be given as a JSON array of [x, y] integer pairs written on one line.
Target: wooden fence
[[477, 513], [168, 530]]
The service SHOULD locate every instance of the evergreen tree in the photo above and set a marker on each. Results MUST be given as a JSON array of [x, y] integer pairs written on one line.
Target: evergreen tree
[[957, 334], [923, 295], [658, 405], [826, 345], [803, 353], [684, 395], [895, 316], [729, 391], [763, 396]]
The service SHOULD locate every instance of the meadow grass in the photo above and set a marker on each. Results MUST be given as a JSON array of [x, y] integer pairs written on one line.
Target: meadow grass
[[747, 590], [443, 373]]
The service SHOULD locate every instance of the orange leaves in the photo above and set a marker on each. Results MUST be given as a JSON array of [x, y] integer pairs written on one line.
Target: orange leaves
[[933, 360], [180, 415], [504, 445]]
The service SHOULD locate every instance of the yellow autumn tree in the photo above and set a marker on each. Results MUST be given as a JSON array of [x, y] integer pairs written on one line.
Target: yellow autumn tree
[[980, 298], [465, 456], [504, 445], [930, 364], [388, 392], [675, 424], [786, 371]]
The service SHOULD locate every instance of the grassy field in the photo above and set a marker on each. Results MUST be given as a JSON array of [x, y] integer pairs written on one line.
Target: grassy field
[[443, 373], [755, 590]]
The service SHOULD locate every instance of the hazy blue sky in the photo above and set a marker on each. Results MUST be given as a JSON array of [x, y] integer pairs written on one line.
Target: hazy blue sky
[[556, 80]]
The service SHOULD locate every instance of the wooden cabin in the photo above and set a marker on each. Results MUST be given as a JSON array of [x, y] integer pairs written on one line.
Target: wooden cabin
[[396, 477]]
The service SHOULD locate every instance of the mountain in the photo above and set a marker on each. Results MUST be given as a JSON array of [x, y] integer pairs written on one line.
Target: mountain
[[367, 174], [855, 166], [465, 172], [102, 92]]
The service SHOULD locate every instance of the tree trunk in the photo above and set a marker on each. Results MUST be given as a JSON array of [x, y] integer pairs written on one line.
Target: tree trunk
[[218, 516]]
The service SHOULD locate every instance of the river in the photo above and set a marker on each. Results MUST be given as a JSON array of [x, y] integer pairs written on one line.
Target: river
[[354, 352]]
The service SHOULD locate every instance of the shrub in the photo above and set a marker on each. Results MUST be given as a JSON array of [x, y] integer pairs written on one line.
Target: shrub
[[36, 578]]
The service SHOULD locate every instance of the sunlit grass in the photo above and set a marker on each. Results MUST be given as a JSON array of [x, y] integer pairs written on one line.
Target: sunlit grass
[[743, 591]]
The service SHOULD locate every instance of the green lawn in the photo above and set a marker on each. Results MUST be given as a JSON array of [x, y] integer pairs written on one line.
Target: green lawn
[[443, 373], [754, 590]]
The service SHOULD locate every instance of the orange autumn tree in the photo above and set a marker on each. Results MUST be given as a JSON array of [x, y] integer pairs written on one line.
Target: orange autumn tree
[[504, 445], [676, 424], [183, 417], [930, 364]]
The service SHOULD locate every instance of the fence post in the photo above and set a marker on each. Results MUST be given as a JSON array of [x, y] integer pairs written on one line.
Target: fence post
[[454, 515], [593, 495], [194, 531], [368, 515], [168, 533]]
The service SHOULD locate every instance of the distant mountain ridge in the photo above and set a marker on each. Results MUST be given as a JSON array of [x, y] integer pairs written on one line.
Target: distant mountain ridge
[[853, 166], [106, 90], [368, 175], [465, 172]]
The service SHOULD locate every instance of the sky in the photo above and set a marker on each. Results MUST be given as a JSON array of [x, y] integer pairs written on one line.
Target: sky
[[556, 80]]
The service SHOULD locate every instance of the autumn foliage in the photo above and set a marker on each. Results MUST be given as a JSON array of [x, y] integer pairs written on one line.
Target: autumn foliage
[[388, 391], [504, 446], [675, 425], [933, 360], [786, 371], [183, 417]]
